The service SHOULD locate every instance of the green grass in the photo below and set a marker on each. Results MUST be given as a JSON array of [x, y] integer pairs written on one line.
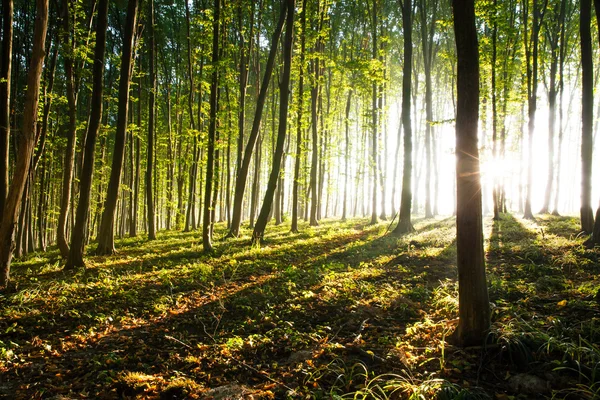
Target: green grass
[[342, 310]]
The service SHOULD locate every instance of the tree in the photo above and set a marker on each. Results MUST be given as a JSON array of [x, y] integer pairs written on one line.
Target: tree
[[284, 93], [152, 115], [69, 160], [242, 176], [5, 82], [76, 251], [300, 109], [531, 56], [106, 236], [587, 115], [26, 142], [474, 308], [404, 222], [212, 128]]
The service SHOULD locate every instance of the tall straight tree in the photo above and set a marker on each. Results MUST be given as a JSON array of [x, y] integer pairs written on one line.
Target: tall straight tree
[[106, 236], [284, 93], [151, 115], [26, 142], [428, 14], [5, 75], [76, 251], [212, 130], [595, 238], [404, 222], [531, 54], [300, 109], [242, 176], [69, 160], [474, 307], [587, 115], [553, 29], [374, 115]]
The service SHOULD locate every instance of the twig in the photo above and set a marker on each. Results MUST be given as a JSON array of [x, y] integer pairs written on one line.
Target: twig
[[178, 341]]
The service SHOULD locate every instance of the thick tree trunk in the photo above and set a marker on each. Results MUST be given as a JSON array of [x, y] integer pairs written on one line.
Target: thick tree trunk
[[587, 116], [284, 92], [404, 223], [106, 239], [26, 143], [78, 234], [474, 307]]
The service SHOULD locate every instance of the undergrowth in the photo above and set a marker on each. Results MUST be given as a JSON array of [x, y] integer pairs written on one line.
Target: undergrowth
[[341, 311]]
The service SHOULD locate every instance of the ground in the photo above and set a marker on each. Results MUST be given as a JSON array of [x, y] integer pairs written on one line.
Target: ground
[[343, 310]]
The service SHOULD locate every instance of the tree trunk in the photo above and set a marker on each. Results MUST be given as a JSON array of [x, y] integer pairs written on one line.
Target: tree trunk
[[75, 259], [404, 223], [300, 106], [212, 128], [26, 143], [240, 181], [284, 92], [474, 307], [5, 85], [587, 116], [152, 113], [69, 160], [106, 239]]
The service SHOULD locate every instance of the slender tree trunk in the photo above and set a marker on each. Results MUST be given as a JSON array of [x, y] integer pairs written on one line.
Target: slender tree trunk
[[300, 109], [374, 115], [347, 153], [5, 85], [152, 113], [69, 160], [284, 92], [106, 239], [212, 128], [26, 143], [240, 182], [474, 307], [587, 116], [404, 223], [78, 234]]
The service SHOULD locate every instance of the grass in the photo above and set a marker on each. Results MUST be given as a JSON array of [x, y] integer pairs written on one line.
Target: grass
[[342, 310]]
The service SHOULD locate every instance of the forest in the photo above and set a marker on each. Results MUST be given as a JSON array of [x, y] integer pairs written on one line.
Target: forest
[[319, 199]]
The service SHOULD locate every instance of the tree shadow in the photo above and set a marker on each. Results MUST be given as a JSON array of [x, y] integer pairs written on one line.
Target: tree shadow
[[253, 307]]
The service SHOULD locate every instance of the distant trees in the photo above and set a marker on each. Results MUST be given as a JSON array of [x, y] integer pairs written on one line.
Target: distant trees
[[169, 144]]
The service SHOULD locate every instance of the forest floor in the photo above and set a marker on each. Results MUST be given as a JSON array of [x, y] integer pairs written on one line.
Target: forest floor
[[343, 310]]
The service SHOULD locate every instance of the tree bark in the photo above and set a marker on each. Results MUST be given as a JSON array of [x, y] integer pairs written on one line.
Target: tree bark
[[26, 142], [284, 92], [75, 259], [240, 181], [474, 308], [587, 115], [152, 114], [212, 128], [106, 239], [5, 85], [404, 223]]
